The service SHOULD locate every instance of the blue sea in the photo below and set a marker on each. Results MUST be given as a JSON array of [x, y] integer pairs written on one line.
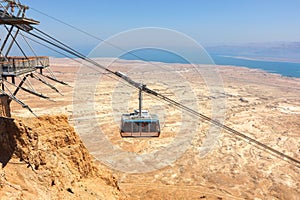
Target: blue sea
[[283, 68]]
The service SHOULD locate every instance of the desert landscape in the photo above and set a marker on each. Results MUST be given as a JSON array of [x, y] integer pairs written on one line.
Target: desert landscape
[[46, 158]]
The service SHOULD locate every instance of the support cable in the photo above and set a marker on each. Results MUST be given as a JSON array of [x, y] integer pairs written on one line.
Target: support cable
[[35, 76], [166, 99], [74, 53], [72, 58], [217, 123], [95, 37], [29, 91]]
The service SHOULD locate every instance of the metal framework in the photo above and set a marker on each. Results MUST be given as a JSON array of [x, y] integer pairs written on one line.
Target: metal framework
[[14, 22]]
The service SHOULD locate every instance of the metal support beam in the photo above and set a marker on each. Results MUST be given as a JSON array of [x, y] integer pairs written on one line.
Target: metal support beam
[[140, 102], [20, 85], [15, 41], [6, 38], [12, 42]]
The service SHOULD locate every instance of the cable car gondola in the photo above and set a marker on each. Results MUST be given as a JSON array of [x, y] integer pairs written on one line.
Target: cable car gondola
[[140, 123]]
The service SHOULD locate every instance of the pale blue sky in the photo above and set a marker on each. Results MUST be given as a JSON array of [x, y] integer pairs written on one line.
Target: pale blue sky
[[210, 22]]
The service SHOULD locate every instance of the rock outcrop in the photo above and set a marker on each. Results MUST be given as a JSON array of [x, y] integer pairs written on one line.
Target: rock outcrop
[[43, 158]]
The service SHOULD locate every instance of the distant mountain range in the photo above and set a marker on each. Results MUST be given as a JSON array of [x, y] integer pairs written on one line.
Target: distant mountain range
[[276, 51]]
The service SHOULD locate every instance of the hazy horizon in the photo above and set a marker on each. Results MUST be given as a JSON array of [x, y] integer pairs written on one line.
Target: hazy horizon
[[253, 29], [208, 22]]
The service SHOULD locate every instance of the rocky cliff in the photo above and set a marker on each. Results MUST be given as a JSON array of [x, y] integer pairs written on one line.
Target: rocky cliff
[[43, 158]]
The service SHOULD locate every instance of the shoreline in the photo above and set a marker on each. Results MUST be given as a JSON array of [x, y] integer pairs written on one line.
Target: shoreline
[[109, 59], [263, 59], [291, 70]]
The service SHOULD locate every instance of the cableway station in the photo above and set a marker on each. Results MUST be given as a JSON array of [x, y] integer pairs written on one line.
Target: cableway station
[[15, 70]]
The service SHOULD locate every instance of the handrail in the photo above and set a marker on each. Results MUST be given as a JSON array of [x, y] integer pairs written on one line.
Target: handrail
[[16, 64]]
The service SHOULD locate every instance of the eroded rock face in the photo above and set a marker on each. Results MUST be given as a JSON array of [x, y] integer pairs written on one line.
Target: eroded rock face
[[44, 158], [4, 106], [7, 140]]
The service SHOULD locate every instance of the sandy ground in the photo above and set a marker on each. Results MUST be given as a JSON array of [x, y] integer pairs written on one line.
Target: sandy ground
[[191, 159]]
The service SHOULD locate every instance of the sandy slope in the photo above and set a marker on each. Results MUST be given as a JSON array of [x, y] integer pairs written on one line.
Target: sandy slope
[[261, 105]]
